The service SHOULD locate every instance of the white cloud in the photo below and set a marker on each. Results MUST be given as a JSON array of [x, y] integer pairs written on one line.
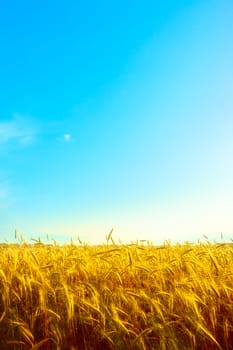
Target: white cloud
[[67, 137], [3, 195], [21, 129]]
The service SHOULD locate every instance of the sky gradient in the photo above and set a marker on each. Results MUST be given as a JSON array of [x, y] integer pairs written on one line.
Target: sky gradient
[[116, 115]]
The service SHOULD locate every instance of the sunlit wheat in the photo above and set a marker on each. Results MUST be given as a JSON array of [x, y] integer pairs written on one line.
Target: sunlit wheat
[[131, 297]]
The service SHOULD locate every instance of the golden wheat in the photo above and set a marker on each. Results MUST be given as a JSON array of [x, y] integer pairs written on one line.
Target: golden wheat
[[134, 297]]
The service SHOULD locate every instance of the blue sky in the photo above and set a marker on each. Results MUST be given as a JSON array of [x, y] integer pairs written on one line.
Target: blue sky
[[116, 114]]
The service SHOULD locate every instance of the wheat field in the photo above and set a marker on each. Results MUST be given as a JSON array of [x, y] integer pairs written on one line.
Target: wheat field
[[116, 296]]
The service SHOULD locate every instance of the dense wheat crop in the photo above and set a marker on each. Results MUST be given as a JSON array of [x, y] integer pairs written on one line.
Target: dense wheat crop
[[116, 297]]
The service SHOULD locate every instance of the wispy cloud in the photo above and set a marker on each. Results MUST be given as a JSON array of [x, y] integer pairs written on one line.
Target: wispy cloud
[[20, 129], [23, 130], [3, 195], [67, 137]]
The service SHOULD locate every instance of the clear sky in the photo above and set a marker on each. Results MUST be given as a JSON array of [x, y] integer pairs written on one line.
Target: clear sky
[[116, 114]]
